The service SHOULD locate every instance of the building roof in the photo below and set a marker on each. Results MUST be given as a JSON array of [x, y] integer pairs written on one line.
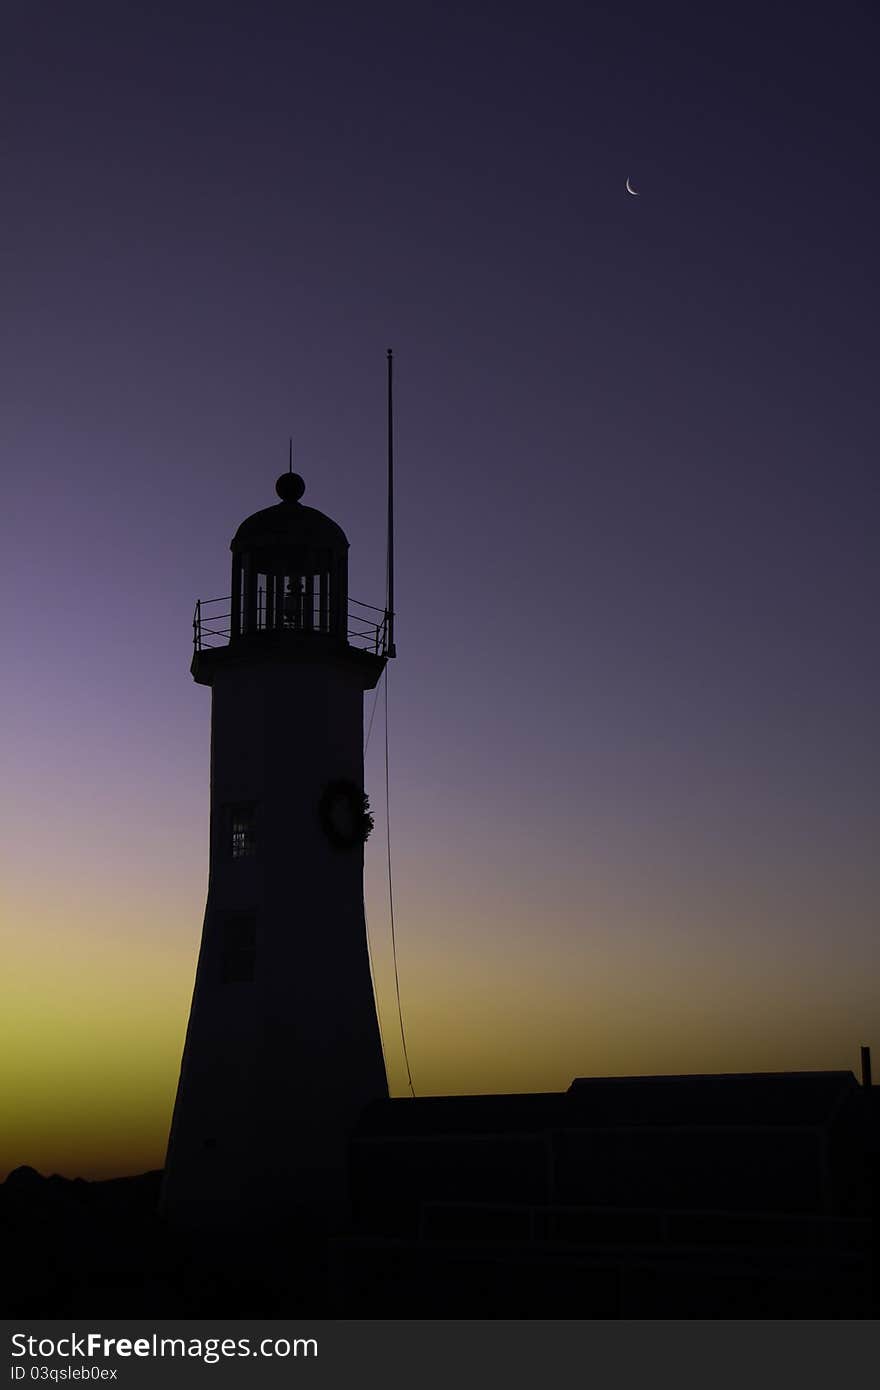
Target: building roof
[[289, 523], [757, 1099]]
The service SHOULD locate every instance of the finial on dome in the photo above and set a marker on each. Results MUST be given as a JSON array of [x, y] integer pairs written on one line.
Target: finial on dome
[[290, 487]]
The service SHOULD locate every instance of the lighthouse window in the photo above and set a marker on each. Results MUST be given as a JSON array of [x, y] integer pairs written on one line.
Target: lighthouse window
[[239, 949], [242, 839]]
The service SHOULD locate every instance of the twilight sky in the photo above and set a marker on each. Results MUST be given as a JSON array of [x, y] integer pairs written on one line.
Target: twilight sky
[[634, 767]]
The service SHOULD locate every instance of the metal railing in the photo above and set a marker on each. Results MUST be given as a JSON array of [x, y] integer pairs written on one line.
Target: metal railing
[[213, 616]]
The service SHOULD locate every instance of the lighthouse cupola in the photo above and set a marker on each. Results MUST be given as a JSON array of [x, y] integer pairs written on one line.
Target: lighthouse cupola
[[289, 597], [289, 569]]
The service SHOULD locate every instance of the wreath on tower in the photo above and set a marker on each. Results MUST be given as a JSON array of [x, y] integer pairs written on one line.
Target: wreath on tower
[[344, 812]]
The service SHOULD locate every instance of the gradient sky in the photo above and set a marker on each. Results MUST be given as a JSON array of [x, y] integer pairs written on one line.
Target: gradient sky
[[634, 766]]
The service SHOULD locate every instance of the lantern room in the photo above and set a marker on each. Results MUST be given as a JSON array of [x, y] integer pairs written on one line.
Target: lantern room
[[289, 569]]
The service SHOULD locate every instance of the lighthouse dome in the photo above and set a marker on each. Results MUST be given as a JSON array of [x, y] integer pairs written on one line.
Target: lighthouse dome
[[289, 571], [289, 523]]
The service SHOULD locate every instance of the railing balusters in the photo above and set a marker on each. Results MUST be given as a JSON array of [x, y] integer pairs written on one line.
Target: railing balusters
[[362, 630]]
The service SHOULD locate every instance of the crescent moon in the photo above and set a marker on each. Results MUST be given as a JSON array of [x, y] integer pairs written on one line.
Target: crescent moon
[[630, 189]]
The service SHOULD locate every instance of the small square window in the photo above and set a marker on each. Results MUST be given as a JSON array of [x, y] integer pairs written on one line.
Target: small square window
[[241, 834]]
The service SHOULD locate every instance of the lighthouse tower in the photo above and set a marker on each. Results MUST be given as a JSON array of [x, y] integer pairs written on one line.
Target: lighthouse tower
[[282, 1050]]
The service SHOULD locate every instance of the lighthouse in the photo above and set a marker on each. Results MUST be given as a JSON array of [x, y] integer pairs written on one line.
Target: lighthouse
[[282, 1050]]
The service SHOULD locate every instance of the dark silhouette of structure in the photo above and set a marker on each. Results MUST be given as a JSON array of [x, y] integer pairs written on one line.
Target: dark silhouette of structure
[[651, 1196], [670, 1196], [282, 1050], [685, 1197], [688, 1196]]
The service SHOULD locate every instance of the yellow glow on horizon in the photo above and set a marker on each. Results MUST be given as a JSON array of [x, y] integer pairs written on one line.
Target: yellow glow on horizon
[[90, 1040], [92, 1032]]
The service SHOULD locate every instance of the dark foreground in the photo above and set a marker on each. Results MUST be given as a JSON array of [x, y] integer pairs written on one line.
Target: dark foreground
[[680, 1197]]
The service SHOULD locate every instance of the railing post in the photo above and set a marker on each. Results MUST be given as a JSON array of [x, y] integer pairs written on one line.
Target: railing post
[[197, 626], [235, 604]]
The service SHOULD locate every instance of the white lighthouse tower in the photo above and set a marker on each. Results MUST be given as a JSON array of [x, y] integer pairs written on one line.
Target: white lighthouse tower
[[282, 1050]]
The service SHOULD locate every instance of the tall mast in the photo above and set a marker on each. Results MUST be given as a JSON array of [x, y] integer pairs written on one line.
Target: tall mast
[[389, 598]]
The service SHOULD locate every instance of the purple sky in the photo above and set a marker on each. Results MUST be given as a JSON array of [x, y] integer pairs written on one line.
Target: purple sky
[[634, 754]]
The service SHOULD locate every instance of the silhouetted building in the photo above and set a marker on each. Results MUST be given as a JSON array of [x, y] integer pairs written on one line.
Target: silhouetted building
[[688, 1196], [282, 1050], [679, 1196], [676, 1196]]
